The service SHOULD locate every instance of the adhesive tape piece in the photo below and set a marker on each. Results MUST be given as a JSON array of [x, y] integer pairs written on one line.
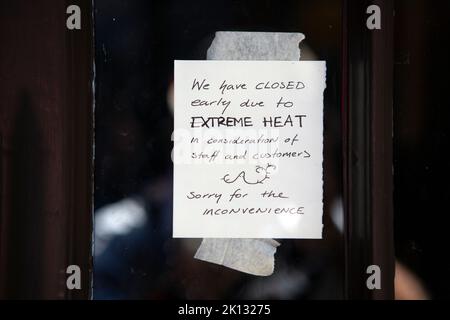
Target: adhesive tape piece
[[253, 256]]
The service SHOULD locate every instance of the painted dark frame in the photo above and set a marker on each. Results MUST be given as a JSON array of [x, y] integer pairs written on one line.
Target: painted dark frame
[[367, 126], [46, 129]]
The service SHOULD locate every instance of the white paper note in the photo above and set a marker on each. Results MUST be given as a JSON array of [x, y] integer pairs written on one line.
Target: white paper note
[[248, 149]]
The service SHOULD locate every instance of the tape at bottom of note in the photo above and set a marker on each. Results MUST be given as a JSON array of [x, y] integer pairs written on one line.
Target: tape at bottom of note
[[253, 256]]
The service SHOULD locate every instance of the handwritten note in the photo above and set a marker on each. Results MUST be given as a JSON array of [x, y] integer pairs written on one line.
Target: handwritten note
[[248, 149]]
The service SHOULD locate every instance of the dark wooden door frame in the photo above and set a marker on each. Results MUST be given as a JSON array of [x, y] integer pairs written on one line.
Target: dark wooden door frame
[[367, 99], [46, 129]]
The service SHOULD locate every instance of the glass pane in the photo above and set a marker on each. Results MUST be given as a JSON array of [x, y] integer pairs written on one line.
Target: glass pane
[[136, 43]]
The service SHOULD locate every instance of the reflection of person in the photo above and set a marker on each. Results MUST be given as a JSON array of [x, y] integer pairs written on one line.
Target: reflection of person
[[407, 285]]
